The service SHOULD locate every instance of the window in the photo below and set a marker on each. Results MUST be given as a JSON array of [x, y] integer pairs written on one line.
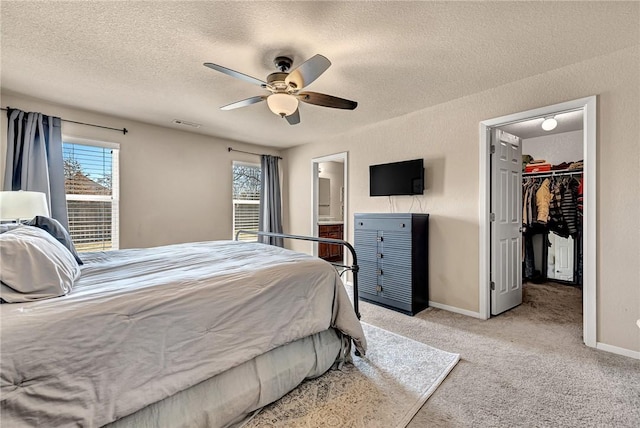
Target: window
[[92, 188], [246, 199]]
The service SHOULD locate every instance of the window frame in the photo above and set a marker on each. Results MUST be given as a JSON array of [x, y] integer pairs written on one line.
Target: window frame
[[114, 198], [243, 201]]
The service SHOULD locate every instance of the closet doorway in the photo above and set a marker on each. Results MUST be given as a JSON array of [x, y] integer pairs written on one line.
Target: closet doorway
[[329, 203], [501, 262]]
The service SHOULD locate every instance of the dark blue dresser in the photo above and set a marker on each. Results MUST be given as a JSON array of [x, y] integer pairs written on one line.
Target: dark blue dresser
[[392, 252]]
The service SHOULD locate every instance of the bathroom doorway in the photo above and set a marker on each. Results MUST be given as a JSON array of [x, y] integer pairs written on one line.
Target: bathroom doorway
[[329, 203]]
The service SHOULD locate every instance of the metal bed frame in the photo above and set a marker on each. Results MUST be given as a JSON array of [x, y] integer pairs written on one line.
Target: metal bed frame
[[341, 268]]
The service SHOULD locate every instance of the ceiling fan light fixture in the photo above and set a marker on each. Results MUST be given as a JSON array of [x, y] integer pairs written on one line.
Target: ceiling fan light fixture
[[549, 123], [284, 86], [282, 104]]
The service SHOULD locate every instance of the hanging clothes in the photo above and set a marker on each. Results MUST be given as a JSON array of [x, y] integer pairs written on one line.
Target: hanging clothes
[[556, 220], [543, 198], [569, 205], [549, 204]]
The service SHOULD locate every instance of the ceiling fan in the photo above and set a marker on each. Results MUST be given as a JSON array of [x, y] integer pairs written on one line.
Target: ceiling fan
[[285, 87]]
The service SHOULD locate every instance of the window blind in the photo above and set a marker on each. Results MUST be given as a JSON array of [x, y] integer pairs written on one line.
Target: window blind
[[92, 189], [246, 199]]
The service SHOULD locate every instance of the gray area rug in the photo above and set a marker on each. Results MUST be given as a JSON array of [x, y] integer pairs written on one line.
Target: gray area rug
[[384, 389]]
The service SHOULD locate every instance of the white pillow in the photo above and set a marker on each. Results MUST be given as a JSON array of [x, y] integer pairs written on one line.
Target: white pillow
[[34, 265], [5, 227]]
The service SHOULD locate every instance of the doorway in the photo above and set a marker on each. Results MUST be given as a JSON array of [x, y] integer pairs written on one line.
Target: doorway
[[588, 108], [329, 203]]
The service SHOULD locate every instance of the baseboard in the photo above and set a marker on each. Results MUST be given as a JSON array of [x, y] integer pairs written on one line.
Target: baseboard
[[617, 350], [601, 346], [456, 310], [441, 306]]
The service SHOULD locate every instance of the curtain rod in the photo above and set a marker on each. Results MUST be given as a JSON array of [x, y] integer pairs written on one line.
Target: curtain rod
[[249, 153], [123, 130]]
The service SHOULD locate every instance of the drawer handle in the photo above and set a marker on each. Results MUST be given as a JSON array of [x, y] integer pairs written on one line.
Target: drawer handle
[[379, 239], [379, 255], [378, 288], [402, 225], [379, 272]]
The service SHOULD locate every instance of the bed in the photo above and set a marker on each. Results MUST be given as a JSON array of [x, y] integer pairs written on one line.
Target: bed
[[199, 334]]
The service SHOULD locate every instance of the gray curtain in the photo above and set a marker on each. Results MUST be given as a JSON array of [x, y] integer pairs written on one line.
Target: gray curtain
[[270, 200], [34, 159]]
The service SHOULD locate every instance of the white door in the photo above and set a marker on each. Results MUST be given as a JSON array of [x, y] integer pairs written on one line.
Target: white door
[[551, 256], [563, 253], [506, 221]]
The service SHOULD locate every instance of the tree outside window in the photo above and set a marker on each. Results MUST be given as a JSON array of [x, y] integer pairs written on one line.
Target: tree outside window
[[246, 198]]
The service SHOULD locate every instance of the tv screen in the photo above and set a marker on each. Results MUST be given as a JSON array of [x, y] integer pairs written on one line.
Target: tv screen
[[397, 178]]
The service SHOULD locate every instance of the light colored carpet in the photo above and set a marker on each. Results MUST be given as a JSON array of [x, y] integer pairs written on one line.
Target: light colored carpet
[[525, 368], [385, 389]]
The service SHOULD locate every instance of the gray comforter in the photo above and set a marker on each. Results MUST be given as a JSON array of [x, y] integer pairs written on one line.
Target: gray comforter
[[141, 325]]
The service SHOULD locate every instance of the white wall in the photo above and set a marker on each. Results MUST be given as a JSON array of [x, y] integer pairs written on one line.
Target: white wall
[[175, 186], [555, 148], [446, 136]]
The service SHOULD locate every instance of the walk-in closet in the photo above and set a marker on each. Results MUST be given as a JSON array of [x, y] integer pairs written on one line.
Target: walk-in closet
[[538, 228], [552, 196]]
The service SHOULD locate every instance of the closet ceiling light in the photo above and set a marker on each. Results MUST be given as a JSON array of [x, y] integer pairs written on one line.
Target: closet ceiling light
[[549, 124]]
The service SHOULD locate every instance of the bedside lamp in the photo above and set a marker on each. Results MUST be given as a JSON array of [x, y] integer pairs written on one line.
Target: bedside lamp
[[21, 204]]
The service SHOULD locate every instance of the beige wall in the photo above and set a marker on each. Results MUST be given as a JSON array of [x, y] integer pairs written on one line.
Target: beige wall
[[175, 186], [447, 137]]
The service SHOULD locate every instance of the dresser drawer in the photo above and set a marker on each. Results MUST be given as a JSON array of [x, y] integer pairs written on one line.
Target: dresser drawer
[[397, 240], [384, 256], [391, 283], [367, 253], [368, 277], [394, 223], [366, 237], [396, 284], [383, 239], [395, 257]]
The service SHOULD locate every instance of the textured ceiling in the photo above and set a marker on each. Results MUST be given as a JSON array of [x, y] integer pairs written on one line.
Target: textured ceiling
[[143, 60]]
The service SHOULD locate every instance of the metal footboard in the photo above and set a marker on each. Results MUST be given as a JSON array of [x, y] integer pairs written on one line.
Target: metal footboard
[[353, 267]]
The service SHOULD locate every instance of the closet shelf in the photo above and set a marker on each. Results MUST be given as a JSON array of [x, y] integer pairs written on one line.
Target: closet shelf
[[552, 173]]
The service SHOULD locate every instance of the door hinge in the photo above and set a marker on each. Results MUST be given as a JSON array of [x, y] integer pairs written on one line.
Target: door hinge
[[493, 149], [492, 217], [493, 285]]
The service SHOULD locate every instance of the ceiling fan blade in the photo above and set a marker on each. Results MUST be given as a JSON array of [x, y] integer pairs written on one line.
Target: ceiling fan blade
[[244, 103], [325, 100], [293, 118], [308, 71], [235, 74]]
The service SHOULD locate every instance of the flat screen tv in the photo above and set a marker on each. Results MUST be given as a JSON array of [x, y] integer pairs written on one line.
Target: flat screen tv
[[397, 178]]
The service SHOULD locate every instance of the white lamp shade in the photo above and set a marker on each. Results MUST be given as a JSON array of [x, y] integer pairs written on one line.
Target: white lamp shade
[[549, 124], [282, 104], [22, 205]]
